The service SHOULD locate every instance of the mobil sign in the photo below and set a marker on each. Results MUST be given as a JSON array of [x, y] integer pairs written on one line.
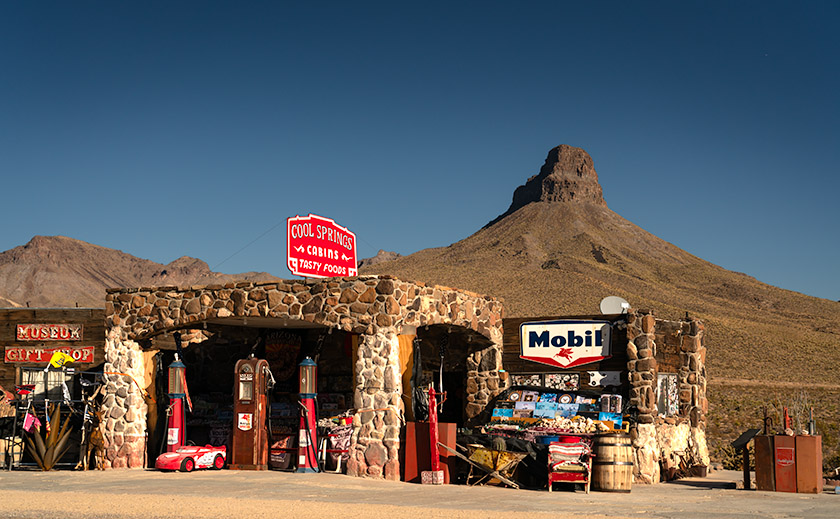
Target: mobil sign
[[317, 247], [564, 343]]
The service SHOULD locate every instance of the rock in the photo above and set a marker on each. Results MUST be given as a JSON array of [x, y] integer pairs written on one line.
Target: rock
[[193, 307], [376, 455], [392, 470], [369, 296], [488, 362], [385, 287]]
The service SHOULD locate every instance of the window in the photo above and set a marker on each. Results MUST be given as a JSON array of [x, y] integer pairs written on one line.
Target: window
[[47, 384], [667, 394], [246, 383]]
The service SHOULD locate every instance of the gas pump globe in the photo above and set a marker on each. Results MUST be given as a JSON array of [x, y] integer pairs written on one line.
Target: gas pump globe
[[177, 371], [307, 455], [308, 377]]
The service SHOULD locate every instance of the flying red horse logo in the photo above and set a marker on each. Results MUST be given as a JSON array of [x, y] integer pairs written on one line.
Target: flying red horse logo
[[565, 354]]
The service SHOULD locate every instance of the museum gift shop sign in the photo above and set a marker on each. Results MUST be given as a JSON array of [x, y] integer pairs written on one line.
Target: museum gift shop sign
[[40, 355], [565, 343], [49, 332]]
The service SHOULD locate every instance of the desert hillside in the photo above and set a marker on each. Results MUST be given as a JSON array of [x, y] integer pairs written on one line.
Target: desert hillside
[[558, 250], [56, 271]]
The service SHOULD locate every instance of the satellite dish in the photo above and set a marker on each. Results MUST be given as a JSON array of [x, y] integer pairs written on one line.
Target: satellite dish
[[614, 305]]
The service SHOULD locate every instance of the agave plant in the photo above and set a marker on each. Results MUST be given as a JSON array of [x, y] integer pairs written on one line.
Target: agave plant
[[49, 449]]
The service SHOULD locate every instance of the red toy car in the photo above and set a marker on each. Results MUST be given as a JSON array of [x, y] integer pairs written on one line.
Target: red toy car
[[188, 458]]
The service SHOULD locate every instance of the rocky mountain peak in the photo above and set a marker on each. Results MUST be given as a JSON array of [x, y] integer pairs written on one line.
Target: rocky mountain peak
[[568, 175]]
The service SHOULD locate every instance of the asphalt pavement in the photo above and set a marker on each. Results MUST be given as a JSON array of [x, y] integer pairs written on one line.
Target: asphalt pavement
[[229, 493]]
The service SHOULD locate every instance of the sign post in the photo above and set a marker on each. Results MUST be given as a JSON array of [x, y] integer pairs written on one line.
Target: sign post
[[317, 247]]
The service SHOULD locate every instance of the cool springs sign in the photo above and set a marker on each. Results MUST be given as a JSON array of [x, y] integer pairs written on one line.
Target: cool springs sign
[[318, 247], [565, 344]]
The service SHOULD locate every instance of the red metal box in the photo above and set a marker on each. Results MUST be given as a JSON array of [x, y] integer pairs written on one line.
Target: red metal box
[[784, 456], [809, 464]]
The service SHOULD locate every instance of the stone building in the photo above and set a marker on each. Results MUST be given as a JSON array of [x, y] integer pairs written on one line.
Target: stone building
[[658, 367], [380, 313], [667, 374], [661, 362]]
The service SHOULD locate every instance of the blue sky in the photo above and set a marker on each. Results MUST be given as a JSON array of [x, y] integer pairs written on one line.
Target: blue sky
[[193, 128]]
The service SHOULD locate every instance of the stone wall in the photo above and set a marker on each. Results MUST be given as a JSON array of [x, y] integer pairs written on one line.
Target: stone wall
[[375, 443], [483, 381], [375, 307], [124, 406], [666, 442]]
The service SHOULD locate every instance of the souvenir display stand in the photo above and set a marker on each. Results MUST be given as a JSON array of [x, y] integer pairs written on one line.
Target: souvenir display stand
[[558, 434], [52, 405]]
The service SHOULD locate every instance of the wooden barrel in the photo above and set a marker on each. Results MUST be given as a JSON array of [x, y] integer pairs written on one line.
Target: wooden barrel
[[612, 467]]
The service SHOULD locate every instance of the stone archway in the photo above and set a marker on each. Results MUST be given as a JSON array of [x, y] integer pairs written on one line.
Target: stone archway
[[374, 307]]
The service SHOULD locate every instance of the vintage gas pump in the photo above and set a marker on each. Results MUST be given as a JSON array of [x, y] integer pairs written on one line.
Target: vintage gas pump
[[176, 433], [307, 456], [249, 449]]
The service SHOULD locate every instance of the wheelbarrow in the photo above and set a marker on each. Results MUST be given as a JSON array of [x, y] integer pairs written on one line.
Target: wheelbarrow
[[494, 463]]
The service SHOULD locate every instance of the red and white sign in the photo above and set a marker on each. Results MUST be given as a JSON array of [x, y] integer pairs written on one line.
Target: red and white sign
[[49, 332], [83, 355], [317, 247], [785, 456], [565, 344], [245, 422]]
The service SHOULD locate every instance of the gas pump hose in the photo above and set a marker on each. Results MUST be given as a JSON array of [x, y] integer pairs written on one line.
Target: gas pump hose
[[311, 448]]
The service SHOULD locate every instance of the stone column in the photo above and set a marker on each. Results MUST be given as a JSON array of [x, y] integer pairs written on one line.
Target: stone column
[[692, 375], [483, 381], [124, 408], [642, 371], [375, 443], [693, 403]]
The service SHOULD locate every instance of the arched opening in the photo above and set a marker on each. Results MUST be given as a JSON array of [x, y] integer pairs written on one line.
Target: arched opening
[[210, 351], [448, 360]]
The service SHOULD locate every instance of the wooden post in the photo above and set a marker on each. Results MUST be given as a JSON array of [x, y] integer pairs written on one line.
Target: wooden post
[[747, 467]]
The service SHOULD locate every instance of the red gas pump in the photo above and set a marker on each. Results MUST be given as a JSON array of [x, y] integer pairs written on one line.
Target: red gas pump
[[249, 445], [176, 433], [307, 455]]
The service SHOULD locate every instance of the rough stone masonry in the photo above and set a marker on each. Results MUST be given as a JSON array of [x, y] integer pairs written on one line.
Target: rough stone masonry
[[662, 441], [374, 307]]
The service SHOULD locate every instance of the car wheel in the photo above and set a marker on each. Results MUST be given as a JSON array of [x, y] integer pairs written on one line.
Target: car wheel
[[187, 465], [218, 462]]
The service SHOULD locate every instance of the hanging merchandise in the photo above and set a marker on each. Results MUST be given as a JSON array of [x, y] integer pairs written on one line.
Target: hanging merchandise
[[443, 348], [91, 435], [59, 359], [31, 422], [419, 396]]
